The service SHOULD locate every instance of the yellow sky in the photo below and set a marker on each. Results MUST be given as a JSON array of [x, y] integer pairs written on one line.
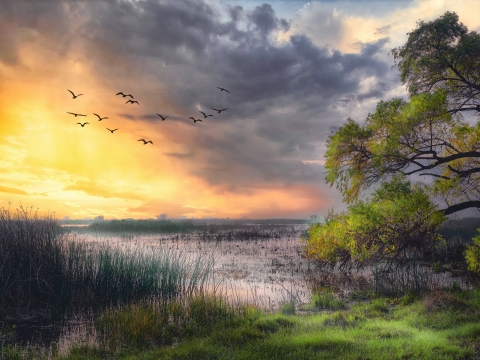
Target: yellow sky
[[49, 162]]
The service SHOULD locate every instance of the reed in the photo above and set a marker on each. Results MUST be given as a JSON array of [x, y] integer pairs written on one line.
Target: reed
[[43, 267]]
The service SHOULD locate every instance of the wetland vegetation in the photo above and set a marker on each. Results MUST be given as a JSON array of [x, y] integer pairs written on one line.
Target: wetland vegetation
[[141, 226], [390, 278], [156, 303]]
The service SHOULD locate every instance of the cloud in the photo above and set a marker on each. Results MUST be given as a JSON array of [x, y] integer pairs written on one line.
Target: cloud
[[12, 190], [383, 30], [288, 90], [264, 19], [103, 190], [283, 94]]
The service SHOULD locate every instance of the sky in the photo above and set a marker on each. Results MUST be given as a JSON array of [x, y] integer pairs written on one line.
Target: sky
[[295, 71]]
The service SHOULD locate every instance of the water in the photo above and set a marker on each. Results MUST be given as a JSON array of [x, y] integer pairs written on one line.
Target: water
[[260, 264]]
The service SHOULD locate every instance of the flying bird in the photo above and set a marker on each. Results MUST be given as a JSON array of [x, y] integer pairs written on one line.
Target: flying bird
[[205, 115], [145, 142], [222, 89], [111, 130], [124, 95], [132, 101], [99, 117], [74, 96], [219, 111], [195, 120], [82, 125], [75, 114], [163, 118]]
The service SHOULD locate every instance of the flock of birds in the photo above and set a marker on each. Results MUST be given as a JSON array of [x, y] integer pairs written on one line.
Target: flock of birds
[[132, 101]]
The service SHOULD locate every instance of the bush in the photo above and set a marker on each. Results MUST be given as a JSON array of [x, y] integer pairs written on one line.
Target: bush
[[472, 255]]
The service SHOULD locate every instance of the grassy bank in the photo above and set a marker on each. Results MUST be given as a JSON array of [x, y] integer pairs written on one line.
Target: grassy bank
[[443, 324]]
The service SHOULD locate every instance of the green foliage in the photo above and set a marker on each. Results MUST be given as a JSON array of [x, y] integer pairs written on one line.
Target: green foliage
[[359, 156], [397, 220], [440, 64], [472, 255], [441, 54]]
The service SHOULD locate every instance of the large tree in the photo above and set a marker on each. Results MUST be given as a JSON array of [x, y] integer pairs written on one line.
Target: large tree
[[430, 135], [440, 65]]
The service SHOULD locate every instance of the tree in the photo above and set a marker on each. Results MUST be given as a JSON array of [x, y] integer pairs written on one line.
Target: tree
[[398, 223], [427, 136], [440, 64]]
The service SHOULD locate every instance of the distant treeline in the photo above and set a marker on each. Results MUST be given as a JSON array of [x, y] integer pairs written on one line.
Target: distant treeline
[[249, 221], [193, 221], [153, 226], [462, 229]]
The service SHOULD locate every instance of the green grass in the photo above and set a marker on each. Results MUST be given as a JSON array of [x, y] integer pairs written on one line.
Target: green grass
[[141, 226], [154, 307], [443, 324], [327, 300]]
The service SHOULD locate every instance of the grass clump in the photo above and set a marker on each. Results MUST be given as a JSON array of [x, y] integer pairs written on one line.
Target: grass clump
[[44, 268], [288, 308], [165, 322], [328, 301]]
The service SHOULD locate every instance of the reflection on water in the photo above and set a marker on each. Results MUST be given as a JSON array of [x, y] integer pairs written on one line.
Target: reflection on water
[[260, 264], [265, 267]]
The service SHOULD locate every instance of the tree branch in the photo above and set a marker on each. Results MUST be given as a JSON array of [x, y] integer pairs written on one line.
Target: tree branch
[[461, 206]]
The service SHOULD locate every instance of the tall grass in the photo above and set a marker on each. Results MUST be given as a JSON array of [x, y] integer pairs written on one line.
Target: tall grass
[[141, 226], [43, 267], [413, 277], [166, 322], [31, 257]]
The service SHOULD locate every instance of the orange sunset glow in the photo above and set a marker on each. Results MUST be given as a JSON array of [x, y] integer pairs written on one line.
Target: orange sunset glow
[[291, 84]]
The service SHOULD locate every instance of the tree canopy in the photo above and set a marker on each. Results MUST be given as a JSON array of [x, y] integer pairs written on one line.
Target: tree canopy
[[428, 136], [396, 224]]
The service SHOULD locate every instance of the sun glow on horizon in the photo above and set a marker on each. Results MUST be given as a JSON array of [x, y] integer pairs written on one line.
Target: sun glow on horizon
[[293, 82]]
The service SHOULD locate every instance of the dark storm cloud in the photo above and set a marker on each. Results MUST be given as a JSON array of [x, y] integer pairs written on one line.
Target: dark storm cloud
[[285, 96], [25, 21], [152, 28], [372, 48], [263, 17]]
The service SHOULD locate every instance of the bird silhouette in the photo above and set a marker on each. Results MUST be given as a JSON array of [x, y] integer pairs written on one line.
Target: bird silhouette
[[74, 96], [111, 130], [219, 111], [163, 118], [124, 95], [82, 125], [75, 114], [132, 101], [205, 115], [222, 89], [195, 120], [145, 142], [99, 117]]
